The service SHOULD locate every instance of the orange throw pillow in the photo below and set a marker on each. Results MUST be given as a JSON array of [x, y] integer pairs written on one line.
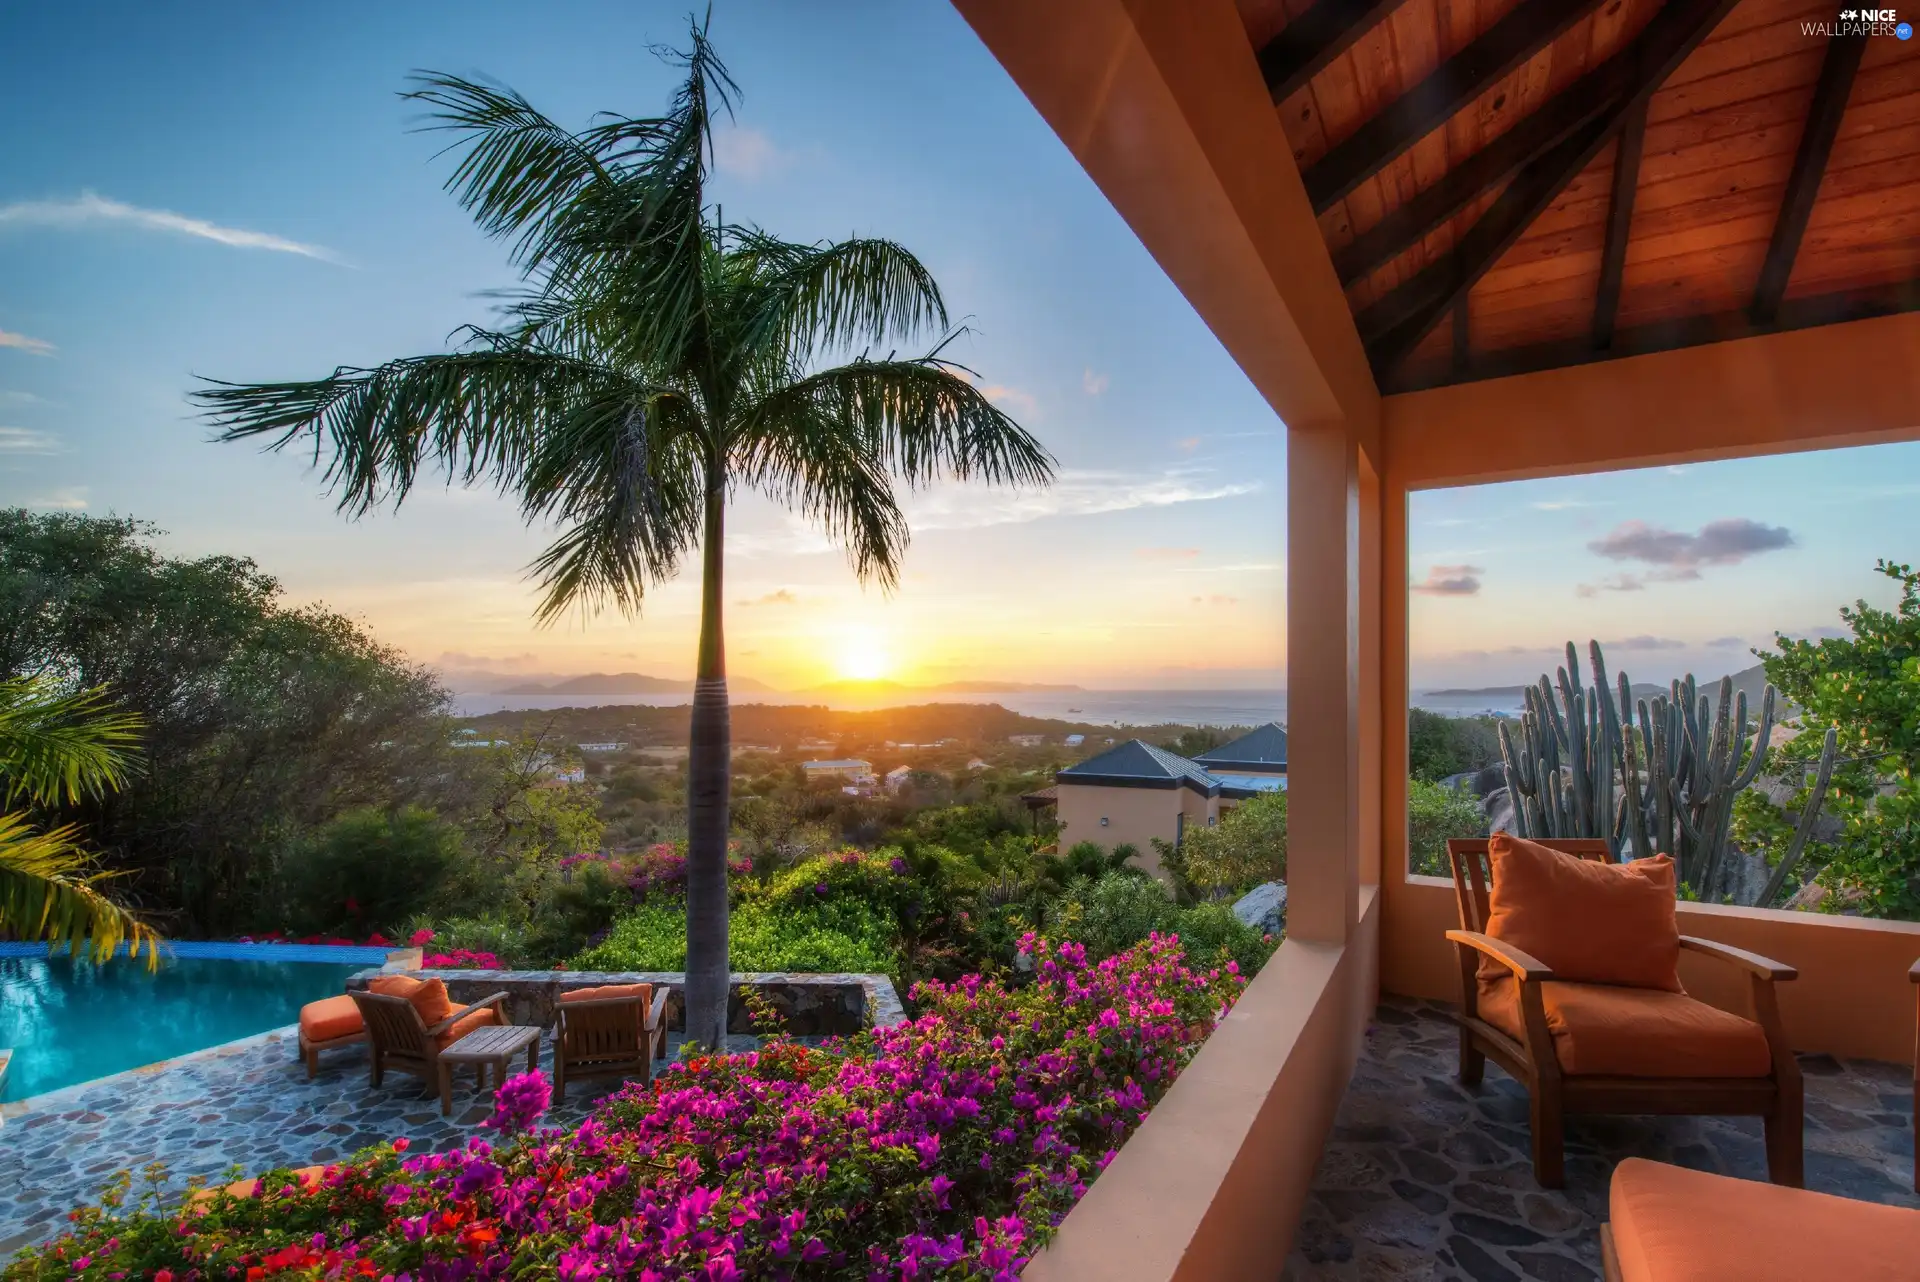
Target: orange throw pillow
[[1593, 923], [643, 991], [429, 996]]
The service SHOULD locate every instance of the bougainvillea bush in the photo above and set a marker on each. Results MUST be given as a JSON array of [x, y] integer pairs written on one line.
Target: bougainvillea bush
[[946, 1147]]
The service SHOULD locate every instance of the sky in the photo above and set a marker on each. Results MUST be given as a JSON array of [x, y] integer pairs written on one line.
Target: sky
[[235, 191]]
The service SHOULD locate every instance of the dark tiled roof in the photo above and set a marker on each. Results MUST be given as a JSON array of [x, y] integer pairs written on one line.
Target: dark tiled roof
[[1139, 761], [1264, 746]]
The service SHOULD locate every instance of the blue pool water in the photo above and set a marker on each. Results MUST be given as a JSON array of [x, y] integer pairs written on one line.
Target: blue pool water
[[71, 1021]]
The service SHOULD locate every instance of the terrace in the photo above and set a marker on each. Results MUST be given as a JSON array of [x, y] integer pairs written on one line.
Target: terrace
[[1453, 245]]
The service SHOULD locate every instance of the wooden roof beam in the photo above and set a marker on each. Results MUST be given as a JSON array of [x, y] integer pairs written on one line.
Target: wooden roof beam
[[1526, 29], [1613, 257], [1809, 166], [1395, 324], [1307, 44]]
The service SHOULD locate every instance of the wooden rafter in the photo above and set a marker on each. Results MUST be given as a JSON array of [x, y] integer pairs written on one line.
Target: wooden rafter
[[1526, 29], [1809, 166], [1314, 39], [1613, 256], [1395, 324]]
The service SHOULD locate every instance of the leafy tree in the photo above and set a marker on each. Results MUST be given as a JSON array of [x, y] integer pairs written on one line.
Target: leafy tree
[[1195, 740], [59, 749], [1248, 846], [1866, 687], [371, 870], [659, 360], [259, 723], [1439, 747], [1435, 813]]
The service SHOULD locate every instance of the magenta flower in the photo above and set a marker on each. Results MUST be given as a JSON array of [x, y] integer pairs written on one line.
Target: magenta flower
[[520, 1102]]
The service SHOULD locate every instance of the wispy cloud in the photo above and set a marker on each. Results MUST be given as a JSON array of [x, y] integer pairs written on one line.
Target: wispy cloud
[[1012, 398], [778, 597], [1166, 554], [1612, 583], [1721, 643], [1680, 556], [70, 499], [22, 440], [1091, 383], [1450, 580], [31, 346], [88, 208], [741, 152], [1644, 642], [1217, 599], [1564, 505], [1072, 493], [20, 398], [1188, 444]]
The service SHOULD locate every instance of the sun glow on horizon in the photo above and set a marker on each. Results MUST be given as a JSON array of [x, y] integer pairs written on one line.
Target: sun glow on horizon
[[864, 655]]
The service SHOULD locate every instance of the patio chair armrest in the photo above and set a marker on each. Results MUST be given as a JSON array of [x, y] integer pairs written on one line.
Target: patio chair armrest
[[1913, 972], [496, 1000], [1753, 963], [657, 1009], [1523, 966]]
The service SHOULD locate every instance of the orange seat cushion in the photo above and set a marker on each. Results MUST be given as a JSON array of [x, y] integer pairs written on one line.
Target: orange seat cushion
[[1675, 1225], [1604, 1031], [329, 1019], [429, 996], [1591, 922], [466, 1024], [644, 992]]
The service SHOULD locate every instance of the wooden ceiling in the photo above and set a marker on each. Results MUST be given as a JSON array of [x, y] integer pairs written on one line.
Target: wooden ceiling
[[1511, 185]]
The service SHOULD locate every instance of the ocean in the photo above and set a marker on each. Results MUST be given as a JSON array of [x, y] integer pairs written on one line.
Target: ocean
[[1091, 707]]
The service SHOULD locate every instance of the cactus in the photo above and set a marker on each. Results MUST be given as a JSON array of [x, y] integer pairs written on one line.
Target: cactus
[[1579, 770]]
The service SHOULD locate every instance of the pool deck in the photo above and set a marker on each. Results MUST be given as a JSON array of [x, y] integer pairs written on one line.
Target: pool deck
[[246, 1104]]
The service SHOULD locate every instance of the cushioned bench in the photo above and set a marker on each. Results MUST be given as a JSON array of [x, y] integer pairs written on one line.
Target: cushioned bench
[[1670, 1224], [328, 1023]]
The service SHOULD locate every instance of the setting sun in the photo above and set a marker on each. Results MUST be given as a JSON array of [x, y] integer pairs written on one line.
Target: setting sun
[[864, 657]]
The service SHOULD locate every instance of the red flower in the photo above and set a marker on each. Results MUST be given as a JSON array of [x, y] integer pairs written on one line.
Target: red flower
[[402, 1144]]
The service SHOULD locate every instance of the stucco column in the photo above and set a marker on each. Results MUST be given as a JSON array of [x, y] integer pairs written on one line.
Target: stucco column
[[1323, 682]]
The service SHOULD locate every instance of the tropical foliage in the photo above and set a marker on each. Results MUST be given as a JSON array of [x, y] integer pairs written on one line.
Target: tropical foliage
[[1865, 686], [658, 360], [950, 1146], [1434, 814], [1246, 847], [59, 749]]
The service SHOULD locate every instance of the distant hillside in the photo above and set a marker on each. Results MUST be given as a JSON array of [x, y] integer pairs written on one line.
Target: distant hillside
[[626, 683], [1752, 681]]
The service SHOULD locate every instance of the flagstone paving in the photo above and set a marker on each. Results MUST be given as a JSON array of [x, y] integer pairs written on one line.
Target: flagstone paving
[[1424, 1180], [247, 1104]]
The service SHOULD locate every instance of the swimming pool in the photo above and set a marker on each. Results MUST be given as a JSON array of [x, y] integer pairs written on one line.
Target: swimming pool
[[72, 1021]]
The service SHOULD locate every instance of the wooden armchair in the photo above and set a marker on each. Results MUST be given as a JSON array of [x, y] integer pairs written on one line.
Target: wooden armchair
[[401, 1039], [1598, 1048], [618, 1030]]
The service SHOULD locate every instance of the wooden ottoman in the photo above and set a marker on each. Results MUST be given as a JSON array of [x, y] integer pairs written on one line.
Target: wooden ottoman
[[1670, 1224]]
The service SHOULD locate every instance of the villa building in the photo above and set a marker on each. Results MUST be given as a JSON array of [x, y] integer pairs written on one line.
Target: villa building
[[1135, 793], [851, 769]]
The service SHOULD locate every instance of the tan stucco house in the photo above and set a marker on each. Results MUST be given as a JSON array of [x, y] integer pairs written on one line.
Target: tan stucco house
[[1135, 792]]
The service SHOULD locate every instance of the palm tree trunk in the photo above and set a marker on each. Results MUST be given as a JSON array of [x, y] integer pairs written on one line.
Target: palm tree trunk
[[709, 769]]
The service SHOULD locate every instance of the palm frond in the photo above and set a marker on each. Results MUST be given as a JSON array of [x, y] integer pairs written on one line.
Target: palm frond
[[624, 476], [807, 458], [476, 414], [60, 748], [919, 417], [48, 892], [807, 297]]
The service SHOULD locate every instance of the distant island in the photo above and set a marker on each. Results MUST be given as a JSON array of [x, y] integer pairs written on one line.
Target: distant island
[[1751, 681], [626, 683]]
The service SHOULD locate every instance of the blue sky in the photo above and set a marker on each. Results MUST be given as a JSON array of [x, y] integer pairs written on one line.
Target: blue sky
[[233, 191]]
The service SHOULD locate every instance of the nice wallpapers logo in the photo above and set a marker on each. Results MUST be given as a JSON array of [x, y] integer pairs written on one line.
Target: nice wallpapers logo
[[1862, 22]]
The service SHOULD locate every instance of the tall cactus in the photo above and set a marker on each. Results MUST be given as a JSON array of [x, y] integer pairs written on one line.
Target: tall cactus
[[1578, 769]]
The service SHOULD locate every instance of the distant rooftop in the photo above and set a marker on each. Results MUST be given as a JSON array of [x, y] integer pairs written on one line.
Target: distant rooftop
[[1263, 748], [1138, 764]]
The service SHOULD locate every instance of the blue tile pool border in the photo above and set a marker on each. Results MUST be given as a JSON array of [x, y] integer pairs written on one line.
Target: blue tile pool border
[[216, 951]]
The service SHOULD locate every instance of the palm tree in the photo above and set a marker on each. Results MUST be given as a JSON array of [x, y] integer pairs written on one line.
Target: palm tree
[[657, 359], [60, 749]]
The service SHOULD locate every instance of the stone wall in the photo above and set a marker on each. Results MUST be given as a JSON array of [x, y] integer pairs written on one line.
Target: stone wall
[[811, 1005]]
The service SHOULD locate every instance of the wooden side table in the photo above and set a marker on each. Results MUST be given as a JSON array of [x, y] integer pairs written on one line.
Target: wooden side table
[[484, 1048]]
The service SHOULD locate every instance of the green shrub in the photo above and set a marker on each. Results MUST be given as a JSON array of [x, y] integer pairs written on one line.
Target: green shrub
[[1247, 847], [372, 870], [1435, 813], [1115, 912], [497, 934], [844, 936]]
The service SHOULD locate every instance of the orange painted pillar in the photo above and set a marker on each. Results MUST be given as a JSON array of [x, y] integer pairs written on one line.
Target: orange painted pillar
[[1324, 611]]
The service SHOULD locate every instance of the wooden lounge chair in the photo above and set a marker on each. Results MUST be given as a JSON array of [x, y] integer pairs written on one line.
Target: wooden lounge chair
[[1603, 1048], [1670, 1224], [402, 1038], [615, 1030]]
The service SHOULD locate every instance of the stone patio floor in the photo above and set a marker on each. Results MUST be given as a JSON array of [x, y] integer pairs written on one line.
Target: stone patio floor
[[1422, 1179], [247, 1104]]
